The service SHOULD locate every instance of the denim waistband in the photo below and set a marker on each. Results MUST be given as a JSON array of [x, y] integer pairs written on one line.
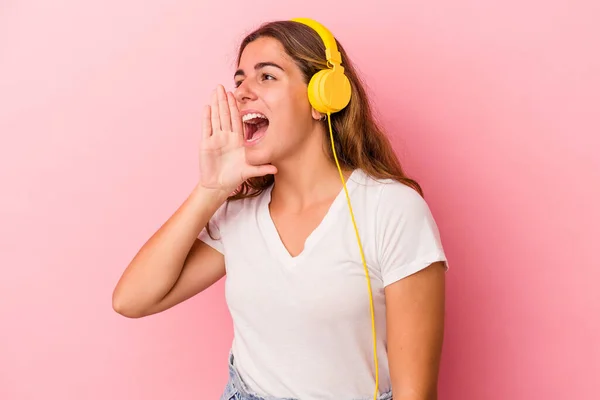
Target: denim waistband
[[237, 389]]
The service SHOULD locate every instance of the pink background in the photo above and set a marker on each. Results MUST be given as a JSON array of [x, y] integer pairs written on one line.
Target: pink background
[[493, 106]]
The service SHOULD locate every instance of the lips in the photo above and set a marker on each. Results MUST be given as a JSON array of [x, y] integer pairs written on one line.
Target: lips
[[255, 125]]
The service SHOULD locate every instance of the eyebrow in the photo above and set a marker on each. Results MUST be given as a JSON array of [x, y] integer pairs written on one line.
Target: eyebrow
[[259, 66]]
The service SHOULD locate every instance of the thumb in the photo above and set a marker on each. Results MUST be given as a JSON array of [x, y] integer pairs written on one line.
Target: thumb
[[253, 171]]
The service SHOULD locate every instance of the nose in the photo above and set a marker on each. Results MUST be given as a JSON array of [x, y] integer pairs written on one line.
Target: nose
[[244, 92]]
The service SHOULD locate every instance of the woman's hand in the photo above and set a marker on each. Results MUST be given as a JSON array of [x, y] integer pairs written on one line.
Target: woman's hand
[[223, 163]]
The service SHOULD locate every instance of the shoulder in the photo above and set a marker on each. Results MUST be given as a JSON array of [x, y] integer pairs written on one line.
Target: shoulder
[[228, 218], [406, 236], [232, 210], [400, 212], [400, 200], [392, 198]]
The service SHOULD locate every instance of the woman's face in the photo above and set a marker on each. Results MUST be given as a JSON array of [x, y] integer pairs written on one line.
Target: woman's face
[[272, 97]]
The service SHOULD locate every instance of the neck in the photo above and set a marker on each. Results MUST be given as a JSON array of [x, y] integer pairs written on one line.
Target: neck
[[307, 178]]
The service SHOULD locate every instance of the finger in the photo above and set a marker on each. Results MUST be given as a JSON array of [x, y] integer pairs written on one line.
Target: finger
[[236, 121], [214, 113], [206, 126], [224, 113]]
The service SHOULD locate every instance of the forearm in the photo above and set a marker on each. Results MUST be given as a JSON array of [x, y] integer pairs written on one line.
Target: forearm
[[157, 265]]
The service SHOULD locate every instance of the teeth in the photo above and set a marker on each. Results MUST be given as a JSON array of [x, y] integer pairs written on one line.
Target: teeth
[[250, 116]]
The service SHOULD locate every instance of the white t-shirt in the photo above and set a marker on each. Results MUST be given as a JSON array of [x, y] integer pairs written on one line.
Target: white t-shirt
[[302, 325]]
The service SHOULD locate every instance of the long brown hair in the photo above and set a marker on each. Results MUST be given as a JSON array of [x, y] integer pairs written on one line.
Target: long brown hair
[[360, 143]]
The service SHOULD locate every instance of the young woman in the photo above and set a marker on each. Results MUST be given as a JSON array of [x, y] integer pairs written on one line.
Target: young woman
[[270, 211]]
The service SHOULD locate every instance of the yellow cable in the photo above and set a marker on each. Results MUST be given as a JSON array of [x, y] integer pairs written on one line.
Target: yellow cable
[[363, 260]]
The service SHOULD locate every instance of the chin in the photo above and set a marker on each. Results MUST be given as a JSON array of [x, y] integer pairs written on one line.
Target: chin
[[257, 157]]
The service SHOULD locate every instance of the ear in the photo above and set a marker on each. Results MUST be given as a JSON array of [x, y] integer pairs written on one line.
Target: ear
[[317, 115]]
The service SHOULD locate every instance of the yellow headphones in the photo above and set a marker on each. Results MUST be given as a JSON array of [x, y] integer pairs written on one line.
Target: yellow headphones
[[329, 91]]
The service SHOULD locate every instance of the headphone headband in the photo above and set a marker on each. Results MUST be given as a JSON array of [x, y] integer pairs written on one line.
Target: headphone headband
[[329, 90], [334, 57]]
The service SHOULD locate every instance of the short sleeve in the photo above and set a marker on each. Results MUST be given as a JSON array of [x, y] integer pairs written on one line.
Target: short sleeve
[[215, 224], [407, 237]]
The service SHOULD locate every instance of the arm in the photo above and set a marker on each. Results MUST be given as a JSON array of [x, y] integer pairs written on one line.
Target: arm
[[415, 329], [173, 265]]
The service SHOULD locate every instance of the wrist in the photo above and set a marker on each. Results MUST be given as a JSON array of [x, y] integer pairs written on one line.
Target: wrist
[[213, 195]]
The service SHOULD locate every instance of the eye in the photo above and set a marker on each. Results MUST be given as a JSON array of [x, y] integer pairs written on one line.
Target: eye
[[263, 76]]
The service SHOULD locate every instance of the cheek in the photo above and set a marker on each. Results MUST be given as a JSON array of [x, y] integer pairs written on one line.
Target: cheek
[[290, 110], [296, 106], [284, 111]]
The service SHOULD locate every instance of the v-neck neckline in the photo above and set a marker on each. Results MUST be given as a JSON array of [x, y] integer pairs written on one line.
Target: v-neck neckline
[[273, 239]]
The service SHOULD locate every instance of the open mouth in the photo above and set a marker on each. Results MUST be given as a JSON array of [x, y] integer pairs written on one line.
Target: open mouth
[[255, 126]]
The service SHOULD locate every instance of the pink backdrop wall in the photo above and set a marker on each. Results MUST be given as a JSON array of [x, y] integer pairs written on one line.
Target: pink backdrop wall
[[494, 107]]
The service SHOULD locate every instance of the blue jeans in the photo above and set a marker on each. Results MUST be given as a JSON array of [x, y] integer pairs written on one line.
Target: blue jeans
[[236, 388]]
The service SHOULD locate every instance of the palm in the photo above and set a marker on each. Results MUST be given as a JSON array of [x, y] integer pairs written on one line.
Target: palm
[[222, 159]]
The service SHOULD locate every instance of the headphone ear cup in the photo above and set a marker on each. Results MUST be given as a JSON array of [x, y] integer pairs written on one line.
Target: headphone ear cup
[[314, 92], [329, 91]]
